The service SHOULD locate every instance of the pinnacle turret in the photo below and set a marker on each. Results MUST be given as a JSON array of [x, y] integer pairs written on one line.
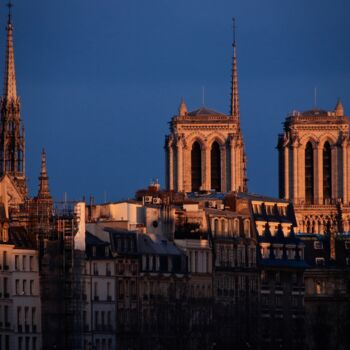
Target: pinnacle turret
[[44, 191], [10, 88], [234, 87]]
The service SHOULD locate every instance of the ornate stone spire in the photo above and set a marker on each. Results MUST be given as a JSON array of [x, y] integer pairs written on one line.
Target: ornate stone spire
[[44, 191], [182, 108], [12, 140], [339, 109], [234, 86], [10, 89]]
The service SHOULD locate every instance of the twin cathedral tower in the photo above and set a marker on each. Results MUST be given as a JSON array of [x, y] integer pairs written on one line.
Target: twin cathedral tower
[[205, 149], [205, 152]]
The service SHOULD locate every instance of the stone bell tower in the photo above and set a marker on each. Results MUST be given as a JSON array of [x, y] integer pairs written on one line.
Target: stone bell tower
[[314, 168], [205, 149], [12, 138]]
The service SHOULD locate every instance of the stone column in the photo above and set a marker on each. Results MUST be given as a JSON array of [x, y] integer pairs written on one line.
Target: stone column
[[207, 172], [223, 167], [238, 166], [344, 178], [286, 172], [179, 165], [301, 173], [295, 171], [232, 164], [318, 174], [170, 166], [334, 152]]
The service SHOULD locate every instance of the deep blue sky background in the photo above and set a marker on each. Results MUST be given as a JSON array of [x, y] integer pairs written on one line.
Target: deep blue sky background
[[99, 80]]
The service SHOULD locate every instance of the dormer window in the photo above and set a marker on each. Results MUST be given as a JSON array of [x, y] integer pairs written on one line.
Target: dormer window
[[318, 245], [107, 251], [93, 250]]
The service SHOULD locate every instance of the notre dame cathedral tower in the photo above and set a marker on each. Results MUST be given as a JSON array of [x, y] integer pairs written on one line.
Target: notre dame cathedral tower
[[314, 169], [205, 149], [12, 142]]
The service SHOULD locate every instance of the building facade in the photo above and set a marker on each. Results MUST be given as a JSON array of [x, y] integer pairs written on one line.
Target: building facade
[[205, 148]]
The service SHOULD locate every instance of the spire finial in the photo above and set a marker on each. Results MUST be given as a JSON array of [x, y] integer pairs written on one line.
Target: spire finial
[[10, 5], [10, 90], [234, 87], [234, 31], [44, 191], [43, 162]]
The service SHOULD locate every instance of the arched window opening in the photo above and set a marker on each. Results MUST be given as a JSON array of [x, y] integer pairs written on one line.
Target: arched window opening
[[196, 167], [215, 161], [309, 173], [327, 173], [216, 226], [247, 228]]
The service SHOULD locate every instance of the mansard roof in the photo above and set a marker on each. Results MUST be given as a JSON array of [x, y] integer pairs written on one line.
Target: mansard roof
[[205, 111]]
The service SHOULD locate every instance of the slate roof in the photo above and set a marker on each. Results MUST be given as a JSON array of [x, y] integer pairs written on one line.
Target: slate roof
[[20, 238], [205, 111]]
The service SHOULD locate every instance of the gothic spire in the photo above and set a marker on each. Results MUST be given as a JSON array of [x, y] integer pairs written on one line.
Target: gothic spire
[[44, 191], [10, 90], [234, 87]]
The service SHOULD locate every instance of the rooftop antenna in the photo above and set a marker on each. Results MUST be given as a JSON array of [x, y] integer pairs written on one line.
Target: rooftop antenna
[[203, 96], [315, 97], [234, 30], [9, 5]]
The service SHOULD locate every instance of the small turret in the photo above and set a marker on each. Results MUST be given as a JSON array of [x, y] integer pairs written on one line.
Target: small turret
[[339, 109], [182, 108]]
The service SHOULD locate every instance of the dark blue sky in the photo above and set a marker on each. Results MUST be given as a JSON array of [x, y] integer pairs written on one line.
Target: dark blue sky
[[99, 80]]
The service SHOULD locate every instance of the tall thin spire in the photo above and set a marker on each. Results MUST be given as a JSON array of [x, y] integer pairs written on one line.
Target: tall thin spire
[[234, 87], [10, 90], [44, 191]]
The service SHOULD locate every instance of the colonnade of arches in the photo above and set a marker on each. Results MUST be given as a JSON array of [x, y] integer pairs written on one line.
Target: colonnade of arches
[[196, 167], [310, 169]]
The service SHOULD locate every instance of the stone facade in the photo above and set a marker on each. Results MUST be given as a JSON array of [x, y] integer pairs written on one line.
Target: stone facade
[[314, 169], [205, 149]]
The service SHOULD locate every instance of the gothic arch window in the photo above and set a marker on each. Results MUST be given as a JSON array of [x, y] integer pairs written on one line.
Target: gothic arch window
[[216, 226], [196, 166], [309, 173], [223, 226], [247, 228], [236, 227], [215, 162], [327, 172]]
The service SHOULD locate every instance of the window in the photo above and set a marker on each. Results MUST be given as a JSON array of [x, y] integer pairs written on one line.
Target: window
[[33, 317], [17, 287], [108, 269], [347, 245], [107, 251], [31, 287], [19, 316], [24, 287], [318, 245], [95, 291], [215, 166], [20, 342], [309, 173], [109, 291], [24, 262], [196, 167], [320, 261], [327, 172], [31, 263], [93, 251], [16, 262], [95, 269]]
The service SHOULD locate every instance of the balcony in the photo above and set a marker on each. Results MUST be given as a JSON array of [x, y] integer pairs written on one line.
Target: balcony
[[20, 328]]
